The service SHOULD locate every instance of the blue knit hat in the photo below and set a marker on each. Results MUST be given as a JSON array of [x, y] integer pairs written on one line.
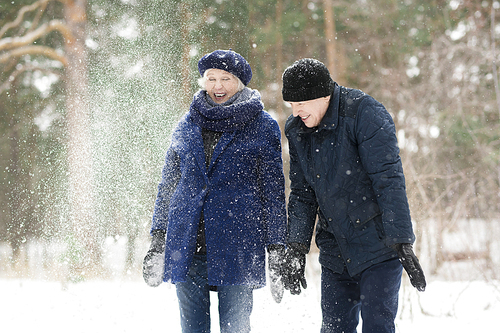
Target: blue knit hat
[[228, 61]]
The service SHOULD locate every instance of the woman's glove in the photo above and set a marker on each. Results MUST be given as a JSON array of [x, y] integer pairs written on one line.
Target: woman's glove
[[294, 268], [275, 263], [154, 261], [411, 265]]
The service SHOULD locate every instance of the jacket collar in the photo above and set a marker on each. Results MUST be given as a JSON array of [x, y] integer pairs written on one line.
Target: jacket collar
[[330, 119]]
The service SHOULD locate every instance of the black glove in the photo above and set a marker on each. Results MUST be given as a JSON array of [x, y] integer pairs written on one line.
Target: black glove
[[411, 265], [275, 264], [294, 268], [154, 261]]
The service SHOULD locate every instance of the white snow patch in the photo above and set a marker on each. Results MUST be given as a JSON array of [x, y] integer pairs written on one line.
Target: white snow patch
[[132, 306]]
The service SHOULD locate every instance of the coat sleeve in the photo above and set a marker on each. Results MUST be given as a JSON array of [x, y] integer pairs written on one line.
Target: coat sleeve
[[169, 179], [379, 154], [272, 185], [302, 203]]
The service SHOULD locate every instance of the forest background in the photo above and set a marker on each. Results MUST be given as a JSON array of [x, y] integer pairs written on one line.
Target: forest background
[[91, 89]]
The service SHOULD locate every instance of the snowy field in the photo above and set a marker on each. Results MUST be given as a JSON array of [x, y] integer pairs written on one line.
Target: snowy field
[[128, 305], [131, 306]]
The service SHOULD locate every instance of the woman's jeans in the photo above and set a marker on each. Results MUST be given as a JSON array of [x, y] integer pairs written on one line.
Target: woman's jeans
[[373, 292], [235, 302]]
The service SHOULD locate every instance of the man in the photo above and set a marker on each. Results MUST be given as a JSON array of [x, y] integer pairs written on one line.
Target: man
[[345, 169]]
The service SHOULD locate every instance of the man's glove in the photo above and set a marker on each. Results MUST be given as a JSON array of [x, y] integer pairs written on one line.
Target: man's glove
[[275, 264], [411, 265], [294, 268], [154, 262]]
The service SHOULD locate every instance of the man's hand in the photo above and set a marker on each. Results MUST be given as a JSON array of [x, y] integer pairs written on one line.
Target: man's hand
[[411, 265], [294, 268]]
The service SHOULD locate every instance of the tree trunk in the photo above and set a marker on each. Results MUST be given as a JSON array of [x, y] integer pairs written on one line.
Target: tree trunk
[[330, 33], [185, 70], [79, 141], [279, 68], [16, 230]]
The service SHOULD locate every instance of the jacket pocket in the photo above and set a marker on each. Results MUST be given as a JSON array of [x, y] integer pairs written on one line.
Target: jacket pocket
[[363, 213]]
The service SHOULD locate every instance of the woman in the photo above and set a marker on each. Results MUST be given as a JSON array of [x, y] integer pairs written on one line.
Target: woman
[[221, 200]]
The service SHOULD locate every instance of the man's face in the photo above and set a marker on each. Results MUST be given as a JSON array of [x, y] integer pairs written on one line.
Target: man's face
[[221, 85], [311, 112]]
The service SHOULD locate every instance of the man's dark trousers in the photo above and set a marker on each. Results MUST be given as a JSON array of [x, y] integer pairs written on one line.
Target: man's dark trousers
[[373, 293]]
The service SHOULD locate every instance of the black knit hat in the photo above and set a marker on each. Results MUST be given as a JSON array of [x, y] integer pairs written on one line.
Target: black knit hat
[[306, 79]]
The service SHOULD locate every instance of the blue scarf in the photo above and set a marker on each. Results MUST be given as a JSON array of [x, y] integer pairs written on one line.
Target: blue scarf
[[244, 106]]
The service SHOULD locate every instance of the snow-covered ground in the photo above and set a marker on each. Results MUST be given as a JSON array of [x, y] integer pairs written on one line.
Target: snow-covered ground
[[131, 306], [125, 304]]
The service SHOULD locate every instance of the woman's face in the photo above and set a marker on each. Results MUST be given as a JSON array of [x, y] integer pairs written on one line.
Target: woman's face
[[220, 85]]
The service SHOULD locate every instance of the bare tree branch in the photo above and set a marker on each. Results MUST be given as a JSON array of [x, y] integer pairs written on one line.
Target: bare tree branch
[[38, 17], [20, 15], [33, 49], [44, 29], [20, 69]]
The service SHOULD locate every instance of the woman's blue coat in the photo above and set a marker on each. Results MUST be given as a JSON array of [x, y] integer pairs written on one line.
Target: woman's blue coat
[[241, 194]]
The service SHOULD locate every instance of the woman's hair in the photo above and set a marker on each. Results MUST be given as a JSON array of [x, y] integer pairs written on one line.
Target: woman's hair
[[203, 80]]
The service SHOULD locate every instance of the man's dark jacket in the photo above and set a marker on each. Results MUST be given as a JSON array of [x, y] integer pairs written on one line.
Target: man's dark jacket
[[347, 170]]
